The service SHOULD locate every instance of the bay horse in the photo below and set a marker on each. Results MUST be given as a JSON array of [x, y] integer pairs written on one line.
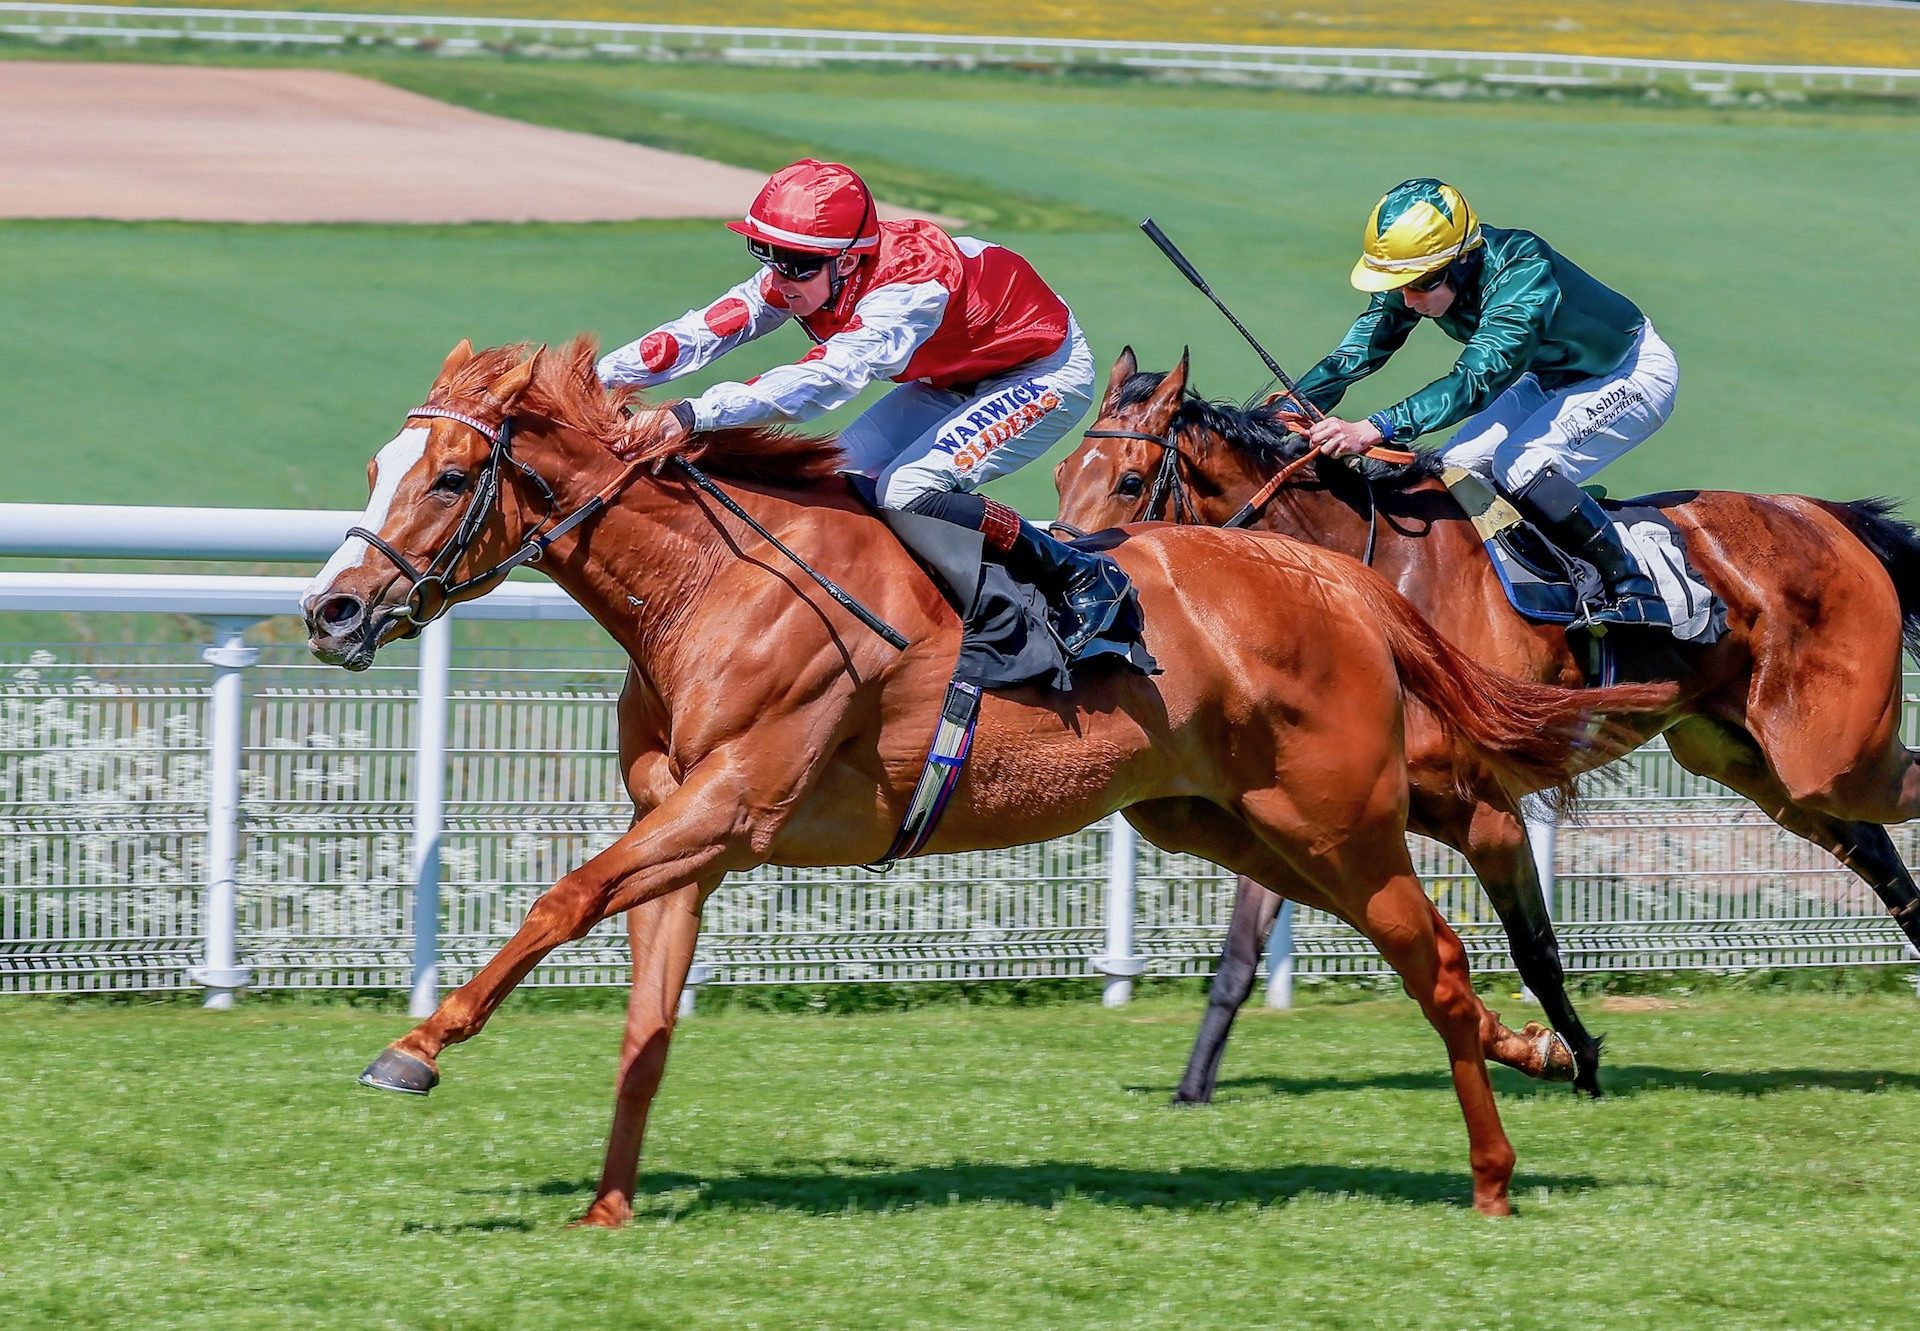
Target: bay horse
[[1797, 707], [761, 723]]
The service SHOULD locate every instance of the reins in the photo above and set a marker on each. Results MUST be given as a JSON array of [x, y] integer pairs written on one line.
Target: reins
[[1167, 482], [880, 626], [486, 493]]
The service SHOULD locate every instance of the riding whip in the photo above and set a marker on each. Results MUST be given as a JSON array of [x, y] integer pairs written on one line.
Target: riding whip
[[1192, 274]]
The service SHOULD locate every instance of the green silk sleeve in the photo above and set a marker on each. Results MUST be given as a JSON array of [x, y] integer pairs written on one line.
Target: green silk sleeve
[[1514, 321], [1380, 331]]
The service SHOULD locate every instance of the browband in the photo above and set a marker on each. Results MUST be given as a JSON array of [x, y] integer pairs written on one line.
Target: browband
[[491, 433]]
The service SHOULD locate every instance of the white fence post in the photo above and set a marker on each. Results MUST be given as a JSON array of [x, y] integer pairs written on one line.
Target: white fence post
[[698, 974], [1118, 963], [429, 812], [1543, 826], [1280, 958], [229, 656]]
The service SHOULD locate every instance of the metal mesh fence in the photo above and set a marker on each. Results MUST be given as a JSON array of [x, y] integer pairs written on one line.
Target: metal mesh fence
[[103, 770]]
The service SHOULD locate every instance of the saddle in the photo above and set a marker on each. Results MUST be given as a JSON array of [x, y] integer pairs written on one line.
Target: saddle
[[1540, 579], [1010, 636]]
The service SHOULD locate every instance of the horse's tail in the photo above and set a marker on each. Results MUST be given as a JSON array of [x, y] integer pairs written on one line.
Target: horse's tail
[[1529, 736], [1896, 545]]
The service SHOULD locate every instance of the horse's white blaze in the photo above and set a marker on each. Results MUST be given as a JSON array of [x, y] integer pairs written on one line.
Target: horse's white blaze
[[402, 453]]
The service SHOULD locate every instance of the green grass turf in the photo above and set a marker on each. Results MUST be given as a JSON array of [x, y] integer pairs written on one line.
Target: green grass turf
[[946, 1167], [262, 365]]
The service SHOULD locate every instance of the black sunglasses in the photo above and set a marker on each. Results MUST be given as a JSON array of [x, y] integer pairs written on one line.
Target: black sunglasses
[[794, 265], [1431, 280]]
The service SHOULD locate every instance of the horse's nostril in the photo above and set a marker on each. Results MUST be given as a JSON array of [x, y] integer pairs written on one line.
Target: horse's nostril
[[340, 613]]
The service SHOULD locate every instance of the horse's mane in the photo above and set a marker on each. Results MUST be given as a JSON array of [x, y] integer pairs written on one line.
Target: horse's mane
[[1261, 431], [565, 389]]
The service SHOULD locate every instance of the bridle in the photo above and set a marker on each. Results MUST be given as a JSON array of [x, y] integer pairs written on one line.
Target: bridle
[[437, 578], [486, 494], [1168, 483]]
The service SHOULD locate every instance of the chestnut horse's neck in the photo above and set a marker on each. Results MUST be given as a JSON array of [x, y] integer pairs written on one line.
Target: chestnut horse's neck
[[642, 565], [635, 565], [1336, 516]]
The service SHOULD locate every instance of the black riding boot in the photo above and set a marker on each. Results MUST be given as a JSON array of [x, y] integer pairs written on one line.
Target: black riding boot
[[1573, 519], [1089, 589]]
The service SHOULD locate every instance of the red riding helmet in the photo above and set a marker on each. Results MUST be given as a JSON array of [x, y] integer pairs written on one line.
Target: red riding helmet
[[813, 208]]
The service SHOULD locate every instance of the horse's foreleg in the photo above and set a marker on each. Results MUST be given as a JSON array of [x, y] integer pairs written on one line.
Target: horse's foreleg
[[691, 836], [662, 934], [1254, 911], [1496, 847]]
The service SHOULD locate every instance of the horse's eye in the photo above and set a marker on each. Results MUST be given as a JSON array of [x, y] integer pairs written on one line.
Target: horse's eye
[[450, 482], [1131, 485]]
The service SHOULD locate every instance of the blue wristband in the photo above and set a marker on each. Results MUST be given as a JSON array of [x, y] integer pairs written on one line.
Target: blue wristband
[[1382, 422]]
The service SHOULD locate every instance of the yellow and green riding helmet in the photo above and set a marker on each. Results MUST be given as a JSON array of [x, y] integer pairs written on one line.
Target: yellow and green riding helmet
[[1420, 226]]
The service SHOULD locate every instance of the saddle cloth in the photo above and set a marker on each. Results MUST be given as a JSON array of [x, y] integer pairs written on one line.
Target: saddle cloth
[[1537, 577]]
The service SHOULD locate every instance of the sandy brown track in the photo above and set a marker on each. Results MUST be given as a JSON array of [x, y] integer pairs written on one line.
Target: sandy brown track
[[152, 142]]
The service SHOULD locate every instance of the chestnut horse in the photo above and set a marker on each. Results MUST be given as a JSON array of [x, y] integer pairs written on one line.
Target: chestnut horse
[[762, 724], [1797, 707]]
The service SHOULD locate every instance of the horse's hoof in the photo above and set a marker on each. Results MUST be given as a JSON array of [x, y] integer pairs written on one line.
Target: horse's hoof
[[395, 1071], [1586, 1080], [604, 1214], [1181, 1100], [1553, 1053]]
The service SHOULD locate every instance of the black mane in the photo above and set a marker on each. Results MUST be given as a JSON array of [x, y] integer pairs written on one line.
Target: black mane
[[1256, 429]]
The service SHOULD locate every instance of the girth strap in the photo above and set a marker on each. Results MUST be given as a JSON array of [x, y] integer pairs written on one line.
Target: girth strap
[[946, 758]]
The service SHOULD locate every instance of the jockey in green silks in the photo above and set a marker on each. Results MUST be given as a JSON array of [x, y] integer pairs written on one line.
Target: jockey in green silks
[[1560, 374]]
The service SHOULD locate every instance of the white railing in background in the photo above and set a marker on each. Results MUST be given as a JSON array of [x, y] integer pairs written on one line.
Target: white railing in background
[[661, 41], [283, 824]]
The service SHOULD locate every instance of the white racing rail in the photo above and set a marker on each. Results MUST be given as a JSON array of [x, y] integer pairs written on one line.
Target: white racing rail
[[280, 825], [230, 604], [1313, 65]]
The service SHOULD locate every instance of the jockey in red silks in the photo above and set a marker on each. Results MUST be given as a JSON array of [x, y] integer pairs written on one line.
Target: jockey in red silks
[[992, 368]]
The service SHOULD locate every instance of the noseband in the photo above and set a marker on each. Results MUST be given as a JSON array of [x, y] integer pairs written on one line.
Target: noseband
[[486, 494]]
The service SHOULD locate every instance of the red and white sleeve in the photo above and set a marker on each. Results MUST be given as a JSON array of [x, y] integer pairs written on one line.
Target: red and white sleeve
[[889, 324], [698, 337]]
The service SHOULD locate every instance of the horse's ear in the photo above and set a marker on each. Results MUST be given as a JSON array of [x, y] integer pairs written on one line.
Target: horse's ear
[[456, 360], [1124, 368], [1166, 398], [506, 390]]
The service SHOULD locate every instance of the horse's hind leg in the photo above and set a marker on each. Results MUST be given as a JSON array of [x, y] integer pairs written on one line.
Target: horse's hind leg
[[1254, 911], [1727, 754], [1399, 920], [1824, 707], [662, 934], [1432, 965]]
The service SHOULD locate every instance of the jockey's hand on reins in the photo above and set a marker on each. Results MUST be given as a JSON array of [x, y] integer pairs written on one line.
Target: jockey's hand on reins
[[650, 427]]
